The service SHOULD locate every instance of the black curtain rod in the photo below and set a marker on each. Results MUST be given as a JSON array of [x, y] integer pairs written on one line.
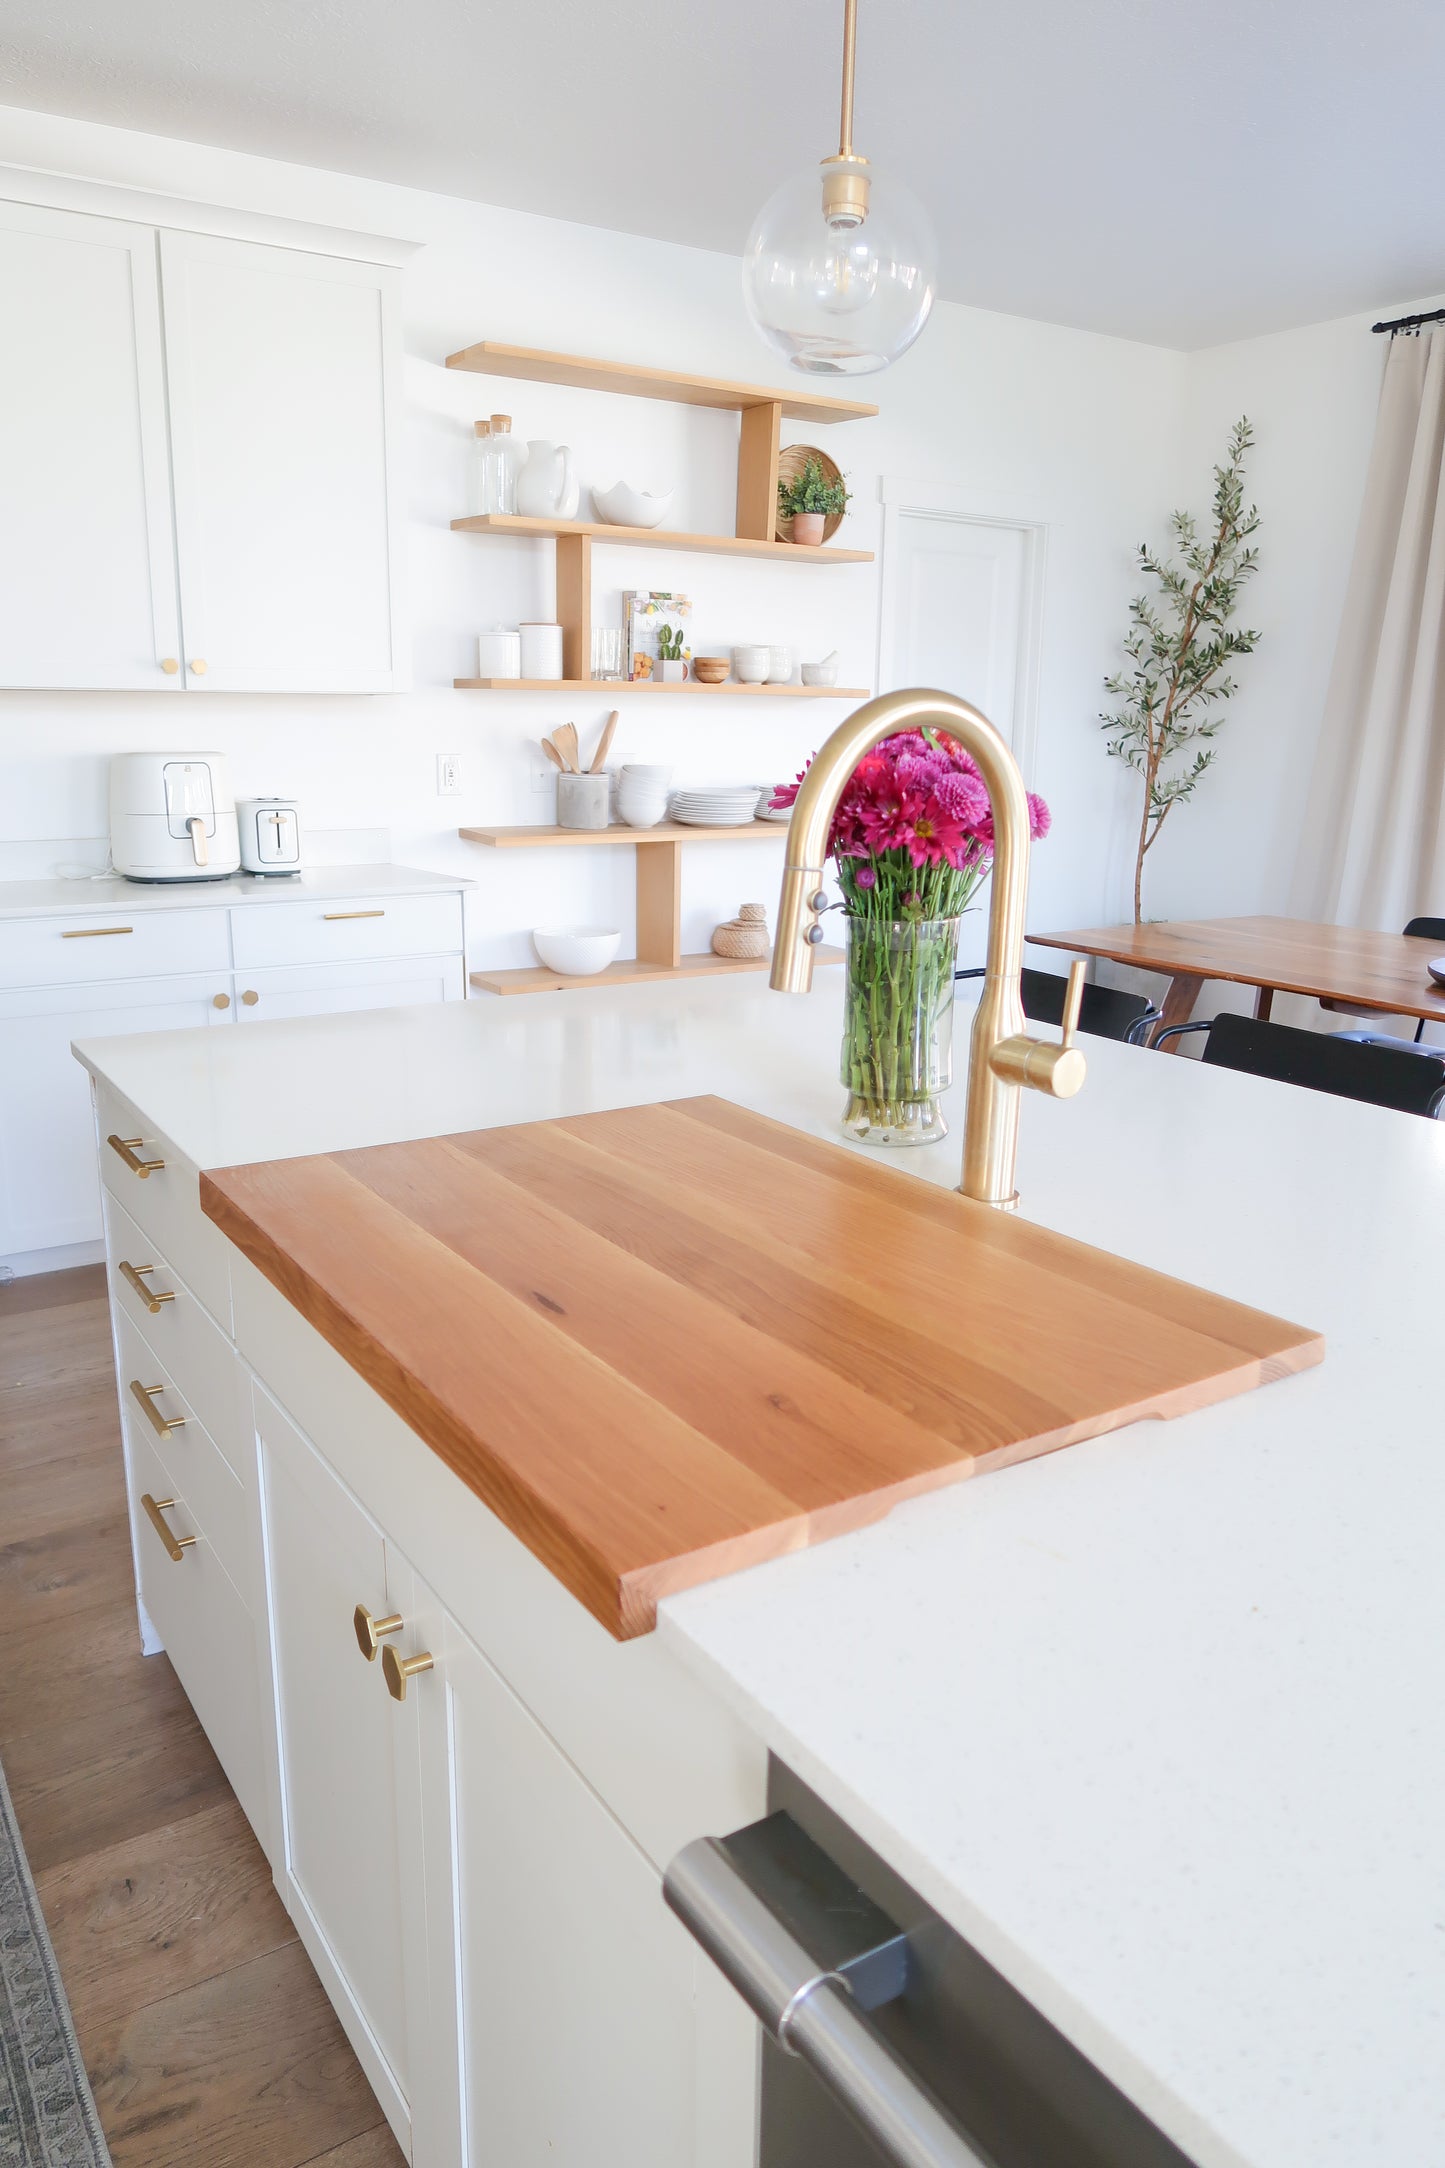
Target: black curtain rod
[[1411, 323]]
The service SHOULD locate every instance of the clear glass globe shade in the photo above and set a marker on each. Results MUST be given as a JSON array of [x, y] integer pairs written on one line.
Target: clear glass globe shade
[[840, 300]]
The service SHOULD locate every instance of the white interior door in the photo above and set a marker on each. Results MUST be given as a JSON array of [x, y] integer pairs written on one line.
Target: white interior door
[[959, 612], [282, 372], [87, 557]]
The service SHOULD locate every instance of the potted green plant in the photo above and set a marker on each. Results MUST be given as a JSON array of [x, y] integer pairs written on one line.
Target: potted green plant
[[671, 666], [809, 498]]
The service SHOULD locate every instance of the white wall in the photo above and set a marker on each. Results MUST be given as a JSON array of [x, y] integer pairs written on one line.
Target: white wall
[[1067, 427]]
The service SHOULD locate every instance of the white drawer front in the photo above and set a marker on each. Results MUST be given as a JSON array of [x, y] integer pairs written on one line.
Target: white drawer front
[[335, 930], [397, 982], [164, 1202], [151, 1296], [196, 1468], [208, 1634], [90, 945]]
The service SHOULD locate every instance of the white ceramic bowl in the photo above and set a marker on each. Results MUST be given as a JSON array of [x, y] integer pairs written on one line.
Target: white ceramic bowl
[[624, 506], [820, 673], [578, 952], [780, 665], [750, 665]]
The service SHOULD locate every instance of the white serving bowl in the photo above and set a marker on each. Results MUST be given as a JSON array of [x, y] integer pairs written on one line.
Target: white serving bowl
[[820, 673], [624, 506], [578, 952], [750, 665]]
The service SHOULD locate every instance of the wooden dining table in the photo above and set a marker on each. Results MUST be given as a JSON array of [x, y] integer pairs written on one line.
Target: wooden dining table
[[1383, 973]]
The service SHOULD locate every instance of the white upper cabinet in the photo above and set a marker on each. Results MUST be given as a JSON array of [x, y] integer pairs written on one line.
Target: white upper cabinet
[[282, 370], [87, 556], [198, 488]]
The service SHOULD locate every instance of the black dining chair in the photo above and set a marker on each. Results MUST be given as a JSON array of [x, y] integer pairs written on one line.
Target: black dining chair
[[1106, 1011], [1424, 929], [1411, 1079]]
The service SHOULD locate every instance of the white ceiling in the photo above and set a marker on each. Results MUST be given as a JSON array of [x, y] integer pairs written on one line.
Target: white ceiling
[[1162, 169]]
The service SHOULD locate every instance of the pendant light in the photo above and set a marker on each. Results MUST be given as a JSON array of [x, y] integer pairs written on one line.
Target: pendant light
[[841, 266]]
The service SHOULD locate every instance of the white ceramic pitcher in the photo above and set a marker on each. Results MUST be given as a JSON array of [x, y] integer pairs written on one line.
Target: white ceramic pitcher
[[547, 486]]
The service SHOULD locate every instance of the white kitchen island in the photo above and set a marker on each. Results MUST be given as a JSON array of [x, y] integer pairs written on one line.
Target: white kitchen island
[[1154, 1721]]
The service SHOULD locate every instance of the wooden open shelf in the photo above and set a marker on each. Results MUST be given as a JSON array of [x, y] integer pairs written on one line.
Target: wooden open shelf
[[659, 905], [517, 524], [527, 839], [655, 685], [529, 363], [632, 971]]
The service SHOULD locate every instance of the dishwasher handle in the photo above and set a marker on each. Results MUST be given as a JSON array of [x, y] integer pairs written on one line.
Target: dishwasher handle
[[810, 2013]]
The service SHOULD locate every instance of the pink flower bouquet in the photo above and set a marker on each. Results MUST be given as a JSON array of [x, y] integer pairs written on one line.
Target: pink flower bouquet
[[912, 839]]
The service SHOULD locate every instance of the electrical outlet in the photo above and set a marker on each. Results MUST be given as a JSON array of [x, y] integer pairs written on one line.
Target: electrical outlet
[[542, 774], [449, 775]]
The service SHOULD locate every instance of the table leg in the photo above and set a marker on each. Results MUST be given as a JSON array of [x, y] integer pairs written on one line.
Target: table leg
[[1263, 1003], [1178, 1004]]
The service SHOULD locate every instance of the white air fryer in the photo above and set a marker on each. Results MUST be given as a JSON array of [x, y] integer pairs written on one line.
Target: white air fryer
[[172, 817], [270, 835]]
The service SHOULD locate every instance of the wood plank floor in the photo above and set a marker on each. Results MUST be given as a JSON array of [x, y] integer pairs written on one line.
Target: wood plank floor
[[206, 2034]]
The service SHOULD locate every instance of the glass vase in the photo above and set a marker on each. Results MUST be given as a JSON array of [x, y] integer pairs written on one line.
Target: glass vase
[[898, 1028]]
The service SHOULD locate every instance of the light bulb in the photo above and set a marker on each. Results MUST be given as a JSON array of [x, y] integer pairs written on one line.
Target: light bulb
[[840, 269]]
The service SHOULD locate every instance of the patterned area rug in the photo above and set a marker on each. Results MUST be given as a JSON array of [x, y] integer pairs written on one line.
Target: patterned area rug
[[47, 2115]]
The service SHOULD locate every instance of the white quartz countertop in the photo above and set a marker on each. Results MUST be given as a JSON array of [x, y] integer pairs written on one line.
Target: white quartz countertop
[[56, 898], [1158, 1721]]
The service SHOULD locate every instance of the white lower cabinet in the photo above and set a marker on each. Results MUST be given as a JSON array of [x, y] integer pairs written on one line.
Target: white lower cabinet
[[335, 989], [49, 1194], [336, 1741]]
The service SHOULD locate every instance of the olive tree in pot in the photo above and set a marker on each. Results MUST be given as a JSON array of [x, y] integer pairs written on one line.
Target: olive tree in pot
[[1179, 644]]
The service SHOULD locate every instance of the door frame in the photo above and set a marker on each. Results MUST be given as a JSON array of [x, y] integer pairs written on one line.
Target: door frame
[[933, 500]]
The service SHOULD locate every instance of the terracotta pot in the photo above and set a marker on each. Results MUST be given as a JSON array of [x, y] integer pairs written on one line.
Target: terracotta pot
[[808, 526]]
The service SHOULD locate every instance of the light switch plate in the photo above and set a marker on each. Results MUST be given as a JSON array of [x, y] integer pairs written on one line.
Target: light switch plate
[[449, 775]]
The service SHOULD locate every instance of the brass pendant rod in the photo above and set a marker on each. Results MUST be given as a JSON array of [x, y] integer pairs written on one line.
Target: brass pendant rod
[[850, 47]]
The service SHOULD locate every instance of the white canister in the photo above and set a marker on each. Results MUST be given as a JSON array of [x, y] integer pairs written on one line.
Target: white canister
[[499, 653], [541, 651]]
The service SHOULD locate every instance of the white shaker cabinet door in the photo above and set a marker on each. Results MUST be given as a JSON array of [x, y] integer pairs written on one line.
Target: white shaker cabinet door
[[571, 1989], [49, 1185], [336, 1743], [87, 560], [284, 401], [335, 989]]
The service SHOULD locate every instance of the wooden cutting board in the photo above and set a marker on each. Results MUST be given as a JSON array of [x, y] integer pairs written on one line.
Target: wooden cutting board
[[673, 1340]]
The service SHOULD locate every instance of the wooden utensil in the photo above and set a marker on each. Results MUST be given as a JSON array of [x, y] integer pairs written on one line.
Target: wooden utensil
[[603, 744], [554, 756], [565, 739]]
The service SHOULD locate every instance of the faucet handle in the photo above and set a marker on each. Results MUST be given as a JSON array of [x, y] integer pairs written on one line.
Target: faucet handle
[[1074, 999]]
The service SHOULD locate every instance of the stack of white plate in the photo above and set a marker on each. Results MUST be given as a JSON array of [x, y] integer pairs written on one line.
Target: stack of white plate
[[715, 805]]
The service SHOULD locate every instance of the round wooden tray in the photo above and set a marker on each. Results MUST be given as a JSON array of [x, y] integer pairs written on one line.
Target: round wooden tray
[[791, 462]]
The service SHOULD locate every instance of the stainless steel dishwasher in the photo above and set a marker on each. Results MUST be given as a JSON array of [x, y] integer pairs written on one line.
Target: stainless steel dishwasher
[[888, 2040]]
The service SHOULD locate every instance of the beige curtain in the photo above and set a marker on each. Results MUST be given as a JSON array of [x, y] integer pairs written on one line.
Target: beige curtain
[[1372, 847]]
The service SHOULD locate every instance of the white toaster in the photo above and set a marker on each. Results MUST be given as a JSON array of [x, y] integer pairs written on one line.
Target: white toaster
[[172, 817], [270, 835]]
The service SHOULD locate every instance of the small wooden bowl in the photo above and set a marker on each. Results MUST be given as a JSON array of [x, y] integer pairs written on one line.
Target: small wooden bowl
[[710, 669]]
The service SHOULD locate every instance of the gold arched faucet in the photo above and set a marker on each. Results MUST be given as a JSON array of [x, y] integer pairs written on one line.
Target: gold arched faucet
[[1004, 1058]]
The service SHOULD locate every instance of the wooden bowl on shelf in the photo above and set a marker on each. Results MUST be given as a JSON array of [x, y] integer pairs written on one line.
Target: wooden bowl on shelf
[[791, 462], [710, 669]]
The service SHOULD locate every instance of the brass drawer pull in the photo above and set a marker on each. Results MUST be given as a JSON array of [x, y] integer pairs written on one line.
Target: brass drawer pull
[[369, 1630], [93, 933], [133, 1275], [127, 1148], [330, 915], [162, 1425], [398, 1669], [175, 1545]]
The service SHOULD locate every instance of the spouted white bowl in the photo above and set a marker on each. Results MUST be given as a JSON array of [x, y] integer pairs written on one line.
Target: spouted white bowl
[[624, 506]]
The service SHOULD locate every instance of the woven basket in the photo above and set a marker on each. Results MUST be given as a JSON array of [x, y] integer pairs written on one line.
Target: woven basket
[[740, 938]]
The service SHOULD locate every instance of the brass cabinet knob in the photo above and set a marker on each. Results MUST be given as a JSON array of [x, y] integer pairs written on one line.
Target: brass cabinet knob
[[369, 1630], [398, 1669], [220, 1001], [198, 666], [250, 997], [170, 665]]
